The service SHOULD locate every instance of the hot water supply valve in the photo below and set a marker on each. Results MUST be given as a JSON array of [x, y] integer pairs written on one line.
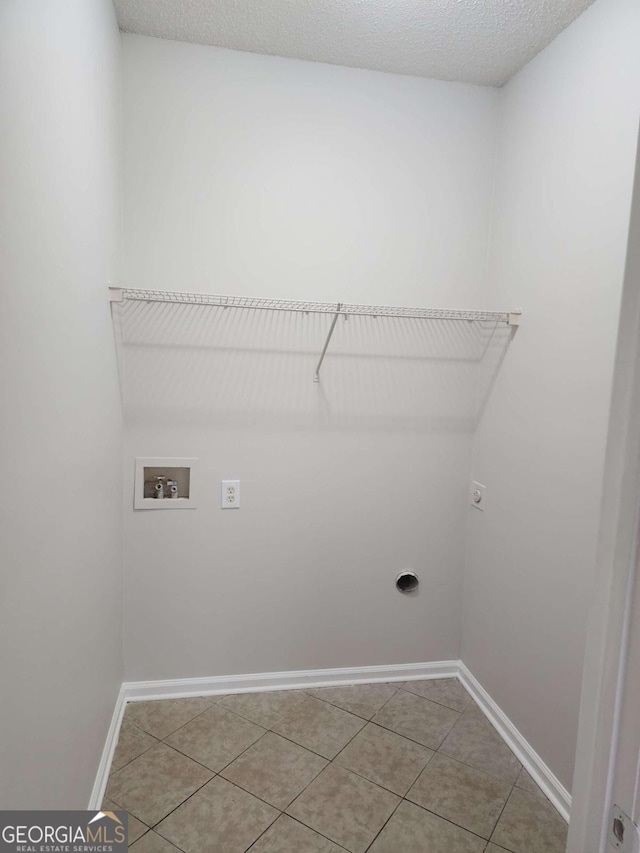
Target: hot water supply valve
[[164, 488]]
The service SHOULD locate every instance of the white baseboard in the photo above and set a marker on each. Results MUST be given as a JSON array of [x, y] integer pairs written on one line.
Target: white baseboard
[[102, 776], [180, 688], [522, 749]]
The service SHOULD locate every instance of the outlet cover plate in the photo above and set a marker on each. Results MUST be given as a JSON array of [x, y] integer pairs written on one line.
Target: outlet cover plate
[[230, 494]]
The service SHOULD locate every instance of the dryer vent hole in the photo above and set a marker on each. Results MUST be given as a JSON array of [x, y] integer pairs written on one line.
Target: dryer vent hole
[[407, 582]]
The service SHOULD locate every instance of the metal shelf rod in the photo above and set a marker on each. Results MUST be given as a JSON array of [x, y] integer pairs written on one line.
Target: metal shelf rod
[[316, 378]]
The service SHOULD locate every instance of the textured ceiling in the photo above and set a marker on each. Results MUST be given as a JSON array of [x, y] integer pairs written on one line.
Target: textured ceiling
[[471, 41]]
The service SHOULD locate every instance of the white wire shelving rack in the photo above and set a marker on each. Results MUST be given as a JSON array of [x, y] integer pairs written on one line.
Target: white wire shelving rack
[[346, 309]]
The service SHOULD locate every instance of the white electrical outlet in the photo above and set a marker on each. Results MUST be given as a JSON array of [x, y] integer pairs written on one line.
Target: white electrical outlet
[[230, 497], [477, 497]]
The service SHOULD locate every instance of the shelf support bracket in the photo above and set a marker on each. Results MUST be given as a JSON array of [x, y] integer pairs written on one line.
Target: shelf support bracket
[[316, 378], [116, 294], [514, 317]]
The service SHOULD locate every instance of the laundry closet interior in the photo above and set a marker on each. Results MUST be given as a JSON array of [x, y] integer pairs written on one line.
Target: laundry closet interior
[[320, 358]]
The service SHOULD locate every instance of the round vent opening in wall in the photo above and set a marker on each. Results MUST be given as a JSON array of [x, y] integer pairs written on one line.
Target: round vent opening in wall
[[407, 582]]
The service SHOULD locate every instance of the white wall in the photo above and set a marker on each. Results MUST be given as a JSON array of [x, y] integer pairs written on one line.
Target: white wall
[[259, 175], [262, 176], [60, 510], [568, 136]]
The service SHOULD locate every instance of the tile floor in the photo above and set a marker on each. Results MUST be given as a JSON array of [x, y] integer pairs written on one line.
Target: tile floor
[[412, 767]]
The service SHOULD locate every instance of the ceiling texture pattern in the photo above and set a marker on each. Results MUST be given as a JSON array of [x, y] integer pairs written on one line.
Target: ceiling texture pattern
[[470, 41]]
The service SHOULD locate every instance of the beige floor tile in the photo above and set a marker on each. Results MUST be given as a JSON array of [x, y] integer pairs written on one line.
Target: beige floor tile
[[444, 691], [153, 843], [530, 824], [132, 742], [413, 830], [417, 718], [155, 783], [216, 737], [320, 727], [363, 700], [526, 782], [344, 807], [265, 709], [220, 818], [136, 828], [163, 716], [385, 758], [456, 795], [275, 770], [288, 836], [469, 798], [474, 741]]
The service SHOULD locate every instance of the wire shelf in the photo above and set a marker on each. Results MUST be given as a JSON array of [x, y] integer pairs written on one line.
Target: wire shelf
[[511, 318], [346, 308]]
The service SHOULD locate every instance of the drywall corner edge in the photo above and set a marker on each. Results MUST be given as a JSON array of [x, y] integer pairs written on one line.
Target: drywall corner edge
[[102, 776], [551, 786]]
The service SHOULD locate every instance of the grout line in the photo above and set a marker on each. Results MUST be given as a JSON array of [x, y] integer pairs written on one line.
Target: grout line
[[264, 832], [353, 713], [418, 742], [182, 755], [435, 701], [157, 823], [333, 705], [319, 833], [309, 748], [379, 784], [295, 820], [471, 766], [448, 820], [176, 809], [249, 720], [199, 788], [282, 811], [157, 739], [239, 755], [295, 743], [373, 840], [204, 766], [500, 815], [182, 725], [127, 763], [129, 842], [478, 769], [398, 686], [360, 776]]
